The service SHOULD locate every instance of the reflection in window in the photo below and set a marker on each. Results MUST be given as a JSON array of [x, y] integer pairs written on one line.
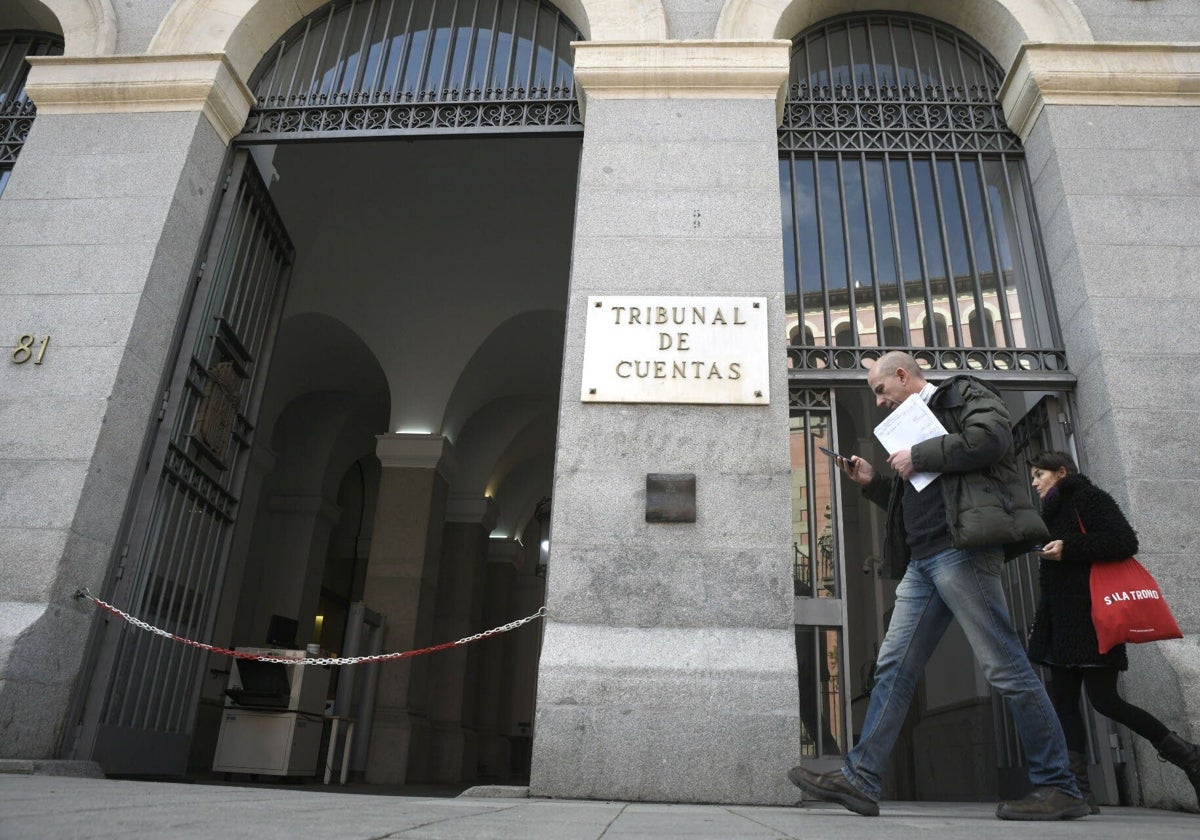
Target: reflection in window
[[816, 559], [795, 337], [893, 333], [891, 51], [983, 331], [813, 549], [383, 51], [927, 228], [818, 657], [903, 213], [935, 332]]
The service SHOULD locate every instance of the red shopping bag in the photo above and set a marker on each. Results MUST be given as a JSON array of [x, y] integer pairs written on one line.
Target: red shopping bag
[[1128, 606]]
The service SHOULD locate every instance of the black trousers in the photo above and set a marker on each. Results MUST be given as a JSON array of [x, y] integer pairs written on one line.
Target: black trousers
[[1064, 686]]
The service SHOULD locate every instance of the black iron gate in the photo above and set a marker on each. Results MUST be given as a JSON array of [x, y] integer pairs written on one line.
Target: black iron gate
[[138, 713], [908, 218], [909, 223]]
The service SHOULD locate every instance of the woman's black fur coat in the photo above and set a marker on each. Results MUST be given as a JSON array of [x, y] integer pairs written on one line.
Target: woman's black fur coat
[[1063, 633]]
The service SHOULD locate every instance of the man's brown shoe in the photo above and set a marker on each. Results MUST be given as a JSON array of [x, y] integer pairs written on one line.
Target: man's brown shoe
[[833, 787], [1045, 803]]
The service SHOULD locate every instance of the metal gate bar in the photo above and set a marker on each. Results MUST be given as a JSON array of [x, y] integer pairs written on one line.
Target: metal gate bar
[[901, 181], [141, 703]]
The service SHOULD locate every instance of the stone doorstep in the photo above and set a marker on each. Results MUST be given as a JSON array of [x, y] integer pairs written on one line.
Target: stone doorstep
[[496, 792], [51, 767]]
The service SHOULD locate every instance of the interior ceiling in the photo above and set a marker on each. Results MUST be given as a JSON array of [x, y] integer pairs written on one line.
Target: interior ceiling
[[447, 262]]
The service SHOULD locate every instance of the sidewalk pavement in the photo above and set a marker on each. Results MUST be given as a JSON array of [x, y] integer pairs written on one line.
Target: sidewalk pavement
[[57, 808]]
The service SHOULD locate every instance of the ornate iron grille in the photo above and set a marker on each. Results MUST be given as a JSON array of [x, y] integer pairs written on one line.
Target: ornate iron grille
[[16, 109], [389, 67], [810, 399], [889, 83], [1030, 367], [908, 219]]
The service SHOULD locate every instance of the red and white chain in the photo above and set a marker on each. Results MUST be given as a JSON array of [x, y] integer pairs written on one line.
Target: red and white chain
[[316, 660]]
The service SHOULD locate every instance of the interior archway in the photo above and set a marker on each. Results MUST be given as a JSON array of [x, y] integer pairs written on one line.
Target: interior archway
[[426, 302], [520, 356]]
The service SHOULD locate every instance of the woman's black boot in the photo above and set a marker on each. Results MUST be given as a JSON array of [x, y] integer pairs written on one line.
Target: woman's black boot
[[1183, 755], [1078, 764]]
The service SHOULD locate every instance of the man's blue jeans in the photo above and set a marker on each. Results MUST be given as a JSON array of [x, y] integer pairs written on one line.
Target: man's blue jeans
[[963, 584]]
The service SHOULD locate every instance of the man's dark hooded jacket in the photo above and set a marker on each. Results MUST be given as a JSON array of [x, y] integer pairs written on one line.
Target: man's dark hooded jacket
[[986, 495]]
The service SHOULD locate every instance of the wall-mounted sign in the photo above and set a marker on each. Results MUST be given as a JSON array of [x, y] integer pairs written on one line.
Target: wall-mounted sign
[[710, 350]]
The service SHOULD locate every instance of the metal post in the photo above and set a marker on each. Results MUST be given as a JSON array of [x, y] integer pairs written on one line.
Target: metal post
[[366, 702], [349, 676]]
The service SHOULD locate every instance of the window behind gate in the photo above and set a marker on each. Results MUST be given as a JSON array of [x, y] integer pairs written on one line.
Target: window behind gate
[[908, 219], [397, 67], [16, 109]]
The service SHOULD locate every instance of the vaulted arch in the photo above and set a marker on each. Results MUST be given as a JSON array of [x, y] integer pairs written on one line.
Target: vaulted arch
[[398, 67], [89, 27], [520, 356], [1001, 26], [246, 29]]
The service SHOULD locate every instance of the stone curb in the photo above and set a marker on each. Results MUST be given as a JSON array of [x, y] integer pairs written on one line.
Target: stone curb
[[51, 767]]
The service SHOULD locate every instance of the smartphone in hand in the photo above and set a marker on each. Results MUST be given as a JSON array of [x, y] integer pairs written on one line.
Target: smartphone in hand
[[833, 454]]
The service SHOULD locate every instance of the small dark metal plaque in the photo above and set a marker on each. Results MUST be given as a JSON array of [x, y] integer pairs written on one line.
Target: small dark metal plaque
[[670, 497]]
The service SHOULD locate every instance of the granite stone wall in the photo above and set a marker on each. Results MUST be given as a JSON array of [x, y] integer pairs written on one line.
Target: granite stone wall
[[668, 669], [99, 229], [1118, 193]]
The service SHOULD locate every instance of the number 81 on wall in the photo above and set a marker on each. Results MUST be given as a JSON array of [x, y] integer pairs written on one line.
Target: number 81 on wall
[[24, 351]]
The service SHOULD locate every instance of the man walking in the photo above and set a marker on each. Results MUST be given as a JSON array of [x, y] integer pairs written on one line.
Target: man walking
[[950, 541]]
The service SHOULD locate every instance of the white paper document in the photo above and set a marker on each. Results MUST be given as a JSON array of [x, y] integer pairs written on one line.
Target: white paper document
[[910, 423]]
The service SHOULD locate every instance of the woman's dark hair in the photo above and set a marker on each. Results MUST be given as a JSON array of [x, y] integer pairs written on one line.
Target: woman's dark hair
[[1054, 461]]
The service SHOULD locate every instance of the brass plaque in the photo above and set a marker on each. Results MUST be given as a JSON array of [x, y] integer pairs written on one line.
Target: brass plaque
[[670, 349]]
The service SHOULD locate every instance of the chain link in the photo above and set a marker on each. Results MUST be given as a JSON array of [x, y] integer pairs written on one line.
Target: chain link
[[82, 592], [503, 628]]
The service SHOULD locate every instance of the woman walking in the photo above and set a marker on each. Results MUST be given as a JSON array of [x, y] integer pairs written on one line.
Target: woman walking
[[1086, 527]]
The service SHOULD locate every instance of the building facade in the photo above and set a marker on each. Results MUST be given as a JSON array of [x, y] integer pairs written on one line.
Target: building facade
[[323, 310]]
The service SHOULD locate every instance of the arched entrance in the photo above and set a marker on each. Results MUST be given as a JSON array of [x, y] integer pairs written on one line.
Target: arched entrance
[[396, 448], [391, 69], [908, 223]]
